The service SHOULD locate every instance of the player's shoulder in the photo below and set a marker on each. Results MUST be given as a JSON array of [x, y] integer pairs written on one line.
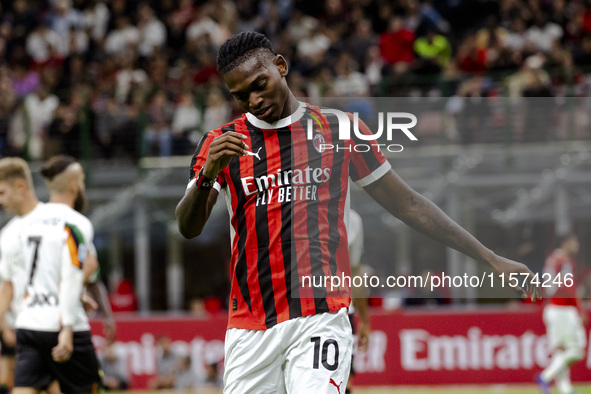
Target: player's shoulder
[[11, 227], [72, 217]]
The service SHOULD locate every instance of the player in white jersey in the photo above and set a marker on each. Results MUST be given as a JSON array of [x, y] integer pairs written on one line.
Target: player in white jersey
[[64, 178], [17, 199], [53, 334]]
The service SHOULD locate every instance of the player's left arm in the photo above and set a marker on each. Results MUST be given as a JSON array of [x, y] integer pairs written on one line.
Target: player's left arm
[[360, 303], [98, 291], [392, 193]]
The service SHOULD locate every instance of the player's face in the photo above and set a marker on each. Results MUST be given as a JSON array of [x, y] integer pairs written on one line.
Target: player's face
[[573, 246], [259, 87], [10, 196]]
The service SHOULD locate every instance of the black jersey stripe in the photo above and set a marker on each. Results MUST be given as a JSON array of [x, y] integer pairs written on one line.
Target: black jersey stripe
[[197, 151], [289, 254], [315, 250], [240, 269], [334, 188], [265, 274]]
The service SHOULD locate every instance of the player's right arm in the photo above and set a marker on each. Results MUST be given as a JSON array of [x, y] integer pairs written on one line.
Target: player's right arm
[[6, 293], [216, 152], [6, 331]]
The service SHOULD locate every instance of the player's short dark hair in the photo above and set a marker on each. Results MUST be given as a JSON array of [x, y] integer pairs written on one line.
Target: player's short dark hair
[[55, 166], [240, 47]]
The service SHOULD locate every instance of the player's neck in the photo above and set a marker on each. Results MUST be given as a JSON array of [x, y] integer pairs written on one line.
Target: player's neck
[[29, 203], [292, 106], [62, 198]]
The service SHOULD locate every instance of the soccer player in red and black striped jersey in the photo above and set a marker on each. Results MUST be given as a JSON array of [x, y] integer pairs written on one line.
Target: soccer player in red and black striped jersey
[[563, 315], [288, 200]]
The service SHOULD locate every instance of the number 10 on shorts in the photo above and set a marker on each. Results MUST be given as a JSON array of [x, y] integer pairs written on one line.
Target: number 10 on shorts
[[334, 364]]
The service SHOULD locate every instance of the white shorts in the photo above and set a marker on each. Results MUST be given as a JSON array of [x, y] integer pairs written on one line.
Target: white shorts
[[304, 355], [564, 327]]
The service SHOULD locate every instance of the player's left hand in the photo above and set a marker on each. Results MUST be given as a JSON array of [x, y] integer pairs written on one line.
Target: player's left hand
[[506, 267], [65, 346], [90, 305], [9, 336], [363, 330]]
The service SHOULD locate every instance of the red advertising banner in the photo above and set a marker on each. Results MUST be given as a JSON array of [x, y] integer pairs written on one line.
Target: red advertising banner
[[443, 346]]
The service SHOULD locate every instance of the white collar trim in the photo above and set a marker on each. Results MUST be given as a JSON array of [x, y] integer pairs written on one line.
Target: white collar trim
[[297, 115]]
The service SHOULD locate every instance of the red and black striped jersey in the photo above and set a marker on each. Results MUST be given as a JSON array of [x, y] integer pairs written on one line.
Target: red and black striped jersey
[[288, 201], [558, 267]]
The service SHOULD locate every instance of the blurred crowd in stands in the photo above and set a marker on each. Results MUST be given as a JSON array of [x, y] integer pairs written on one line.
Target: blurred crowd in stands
[[131, 78], [174, 371]]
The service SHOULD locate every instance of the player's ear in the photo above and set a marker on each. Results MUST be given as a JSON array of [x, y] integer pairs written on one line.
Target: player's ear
[[73, 184], [20, 184], [281, 65]]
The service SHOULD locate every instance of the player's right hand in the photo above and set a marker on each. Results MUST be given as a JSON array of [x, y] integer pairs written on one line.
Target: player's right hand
[[65, 346], [221, 150], [506, 267]]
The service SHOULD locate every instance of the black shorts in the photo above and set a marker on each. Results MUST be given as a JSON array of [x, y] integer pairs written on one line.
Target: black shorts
[[7, 351], [35, 366]]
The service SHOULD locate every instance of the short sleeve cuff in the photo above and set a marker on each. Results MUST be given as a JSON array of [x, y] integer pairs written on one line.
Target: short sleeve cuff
[[375, 175]]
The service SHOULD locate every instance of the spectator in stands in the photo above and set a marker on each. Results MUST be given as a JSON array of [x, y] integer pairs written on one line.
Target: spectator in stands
[[349, 81], [185, 378], [96, 19], [167, 364], [186, 124], [373, 69], [396, 46], [64, 18], [114, 367], [152, 33], [158, 138], [470, 57], [216, 109], [204, 28], [515, 38], [311, 48], [128, 77], [358, 44], [64, 130], [40, 107], [433, 52], [123, 299], [213, 378], [543, 33], [44, 45], [124, 39]]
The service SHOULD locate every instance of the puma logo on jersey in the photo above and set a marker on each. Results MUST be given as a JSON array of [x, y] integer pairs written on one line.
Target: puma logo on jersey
[[335, 384], [254, 154]]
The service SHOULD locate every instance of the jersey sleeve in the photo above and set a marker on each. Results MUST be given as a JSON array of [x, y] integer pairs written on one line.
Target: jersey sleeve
[[355, 238], [74, 252], [199, 158], [367, 165]]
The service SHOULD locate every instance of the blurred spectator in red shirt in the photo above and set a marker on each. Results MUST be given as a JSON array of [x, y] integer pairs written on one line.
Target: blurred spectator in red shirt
[[124, 298], [396, 44]]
